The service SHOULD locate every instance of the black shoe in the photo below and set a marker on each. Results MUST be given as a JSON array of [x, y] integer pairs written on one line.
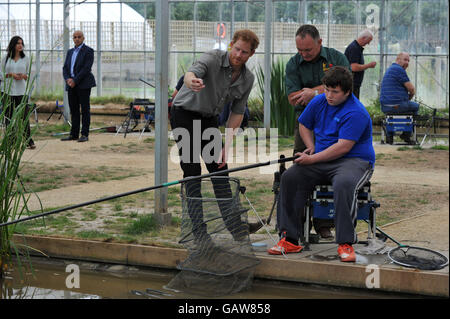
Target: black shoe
[[390, 139], [69, 138], [325, 233], [407, 138], [254, 227], [83, 139]]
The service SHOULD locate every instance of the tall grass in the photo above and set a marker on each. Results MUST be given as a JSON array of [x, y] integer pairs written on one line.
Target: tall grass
[[13, 199], [282, 115]]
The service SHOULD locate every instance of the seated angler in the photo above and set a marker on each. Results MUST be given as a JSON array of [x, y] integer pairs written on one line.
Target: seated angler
[[342, 155], [397, 91]]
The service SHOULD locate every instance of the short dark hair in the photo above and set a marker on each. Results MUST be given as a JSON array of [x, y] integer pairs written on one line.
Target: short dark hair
[[339, 76], [308, 29]]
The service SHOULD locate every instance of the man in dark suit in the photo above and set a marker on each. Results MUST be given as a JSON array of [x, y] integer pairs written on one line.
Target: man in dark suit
[[79, 81]]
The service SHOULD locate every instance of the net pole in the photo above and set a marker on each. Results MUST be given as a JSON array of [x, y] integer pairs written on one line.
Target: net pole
[[146, 189]]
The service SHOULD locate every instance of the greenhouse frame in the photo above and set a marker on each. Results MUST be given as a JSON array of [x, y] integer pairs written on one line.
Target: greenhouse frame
[[123, 35]]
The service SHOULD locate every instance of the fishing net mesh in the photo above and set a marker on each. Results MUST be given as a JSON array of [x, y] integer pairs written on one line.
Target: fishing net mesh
[[417, 257], [214, 230]]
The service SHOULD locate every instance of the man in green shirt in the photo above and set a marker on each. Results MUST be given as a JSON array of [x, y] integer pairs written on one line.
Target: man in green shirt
[[304, 73], [305, 70]]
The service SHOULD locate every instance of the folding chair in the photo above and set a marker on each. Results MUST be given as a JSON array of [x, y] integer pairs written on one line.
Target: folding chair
[[321, 205], [58, 108], [398, 122], [138, 107]]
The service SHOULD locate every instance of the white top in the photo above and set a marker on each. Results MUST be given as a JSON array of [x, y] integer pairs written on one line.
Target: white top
[[17, 86]]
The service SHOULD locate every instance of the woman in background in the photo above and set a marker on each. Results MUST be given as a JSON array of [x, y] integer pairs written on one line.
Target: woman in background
[[14, 67]]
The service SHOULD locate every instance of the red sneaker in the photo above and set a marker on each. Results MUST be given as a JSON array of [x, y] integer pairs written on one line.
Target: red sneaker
[[284, 246], [346, 253]]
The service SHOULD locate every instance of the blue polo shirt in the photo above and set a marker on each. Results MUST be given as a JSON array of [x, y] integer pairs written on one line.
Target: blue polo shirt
[[393, 90], [348, 120]]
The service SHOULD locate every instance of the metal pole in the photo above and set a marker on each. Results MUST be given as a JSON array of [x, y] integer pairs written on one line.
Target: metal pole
[[99, 48], [358, 17], [52, 86], [246, 14], [416, 46], [220, 22], [438, 72], [195, 29], [267, 61], [232, 19], [144, 41], [328, 22], [38, 45], [121, 49], [382, 39], [156, 187], [161, 133], [66, 11], [9, 20], [446, 82]]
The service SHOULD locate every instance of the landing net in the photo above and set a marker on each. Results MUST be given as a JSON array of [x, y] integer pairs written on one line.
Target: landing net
[[214, 230], [417, 257]]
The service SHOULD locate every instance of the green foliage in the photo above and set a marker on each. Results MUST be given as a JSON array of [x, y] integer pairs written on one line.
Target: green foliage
[[142, 225], [13, 199], [432, 13], [46, 95], [256, 108], [374, 110], [440, 147], [117, 99], [282, 115], [206, 11], [407, 148]]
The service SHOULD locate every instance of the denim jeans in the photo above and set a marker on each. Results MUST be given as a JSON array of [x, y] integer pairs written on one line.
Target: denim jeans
[[403, 107]]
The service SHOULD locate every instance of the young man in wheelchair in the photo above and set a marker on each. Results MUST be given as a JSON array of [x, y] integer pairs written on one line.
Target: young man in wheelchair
[[342, 155]]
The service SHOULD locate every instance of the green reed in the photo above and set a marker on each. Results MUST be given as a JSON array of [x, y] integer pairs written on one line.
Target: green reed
[[282, 115], [13, 198]]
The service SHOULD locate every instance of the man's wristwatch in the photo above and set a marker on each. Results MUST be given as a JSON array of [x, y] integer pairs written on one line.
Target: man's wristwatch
[[316, 92]]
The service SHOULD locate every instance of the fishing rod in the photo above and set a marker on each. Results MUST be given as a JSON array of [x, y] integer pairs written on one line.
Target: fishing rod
[[146, 82], [187, 179], [90, 130]]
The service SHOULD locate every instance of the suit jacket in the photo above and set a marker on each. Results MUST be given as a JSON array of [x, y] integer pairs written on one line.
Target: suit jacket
[[84, 79]]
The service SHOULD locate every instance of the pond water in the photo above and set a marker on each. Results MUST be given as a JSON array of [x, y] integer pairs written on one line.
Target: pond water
[[54, 279]]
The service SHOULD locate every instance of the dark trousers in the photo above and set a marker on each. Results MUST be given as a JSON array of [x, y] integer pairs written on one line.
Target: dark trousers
[[79, 97], [190, 151], [299, 146], [347, 176], [10, 103], [356, 89]]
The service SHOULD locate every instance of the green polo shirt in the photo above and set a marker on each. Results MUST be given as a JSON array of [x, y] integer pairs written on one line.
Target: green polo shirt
[[303, 74]]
